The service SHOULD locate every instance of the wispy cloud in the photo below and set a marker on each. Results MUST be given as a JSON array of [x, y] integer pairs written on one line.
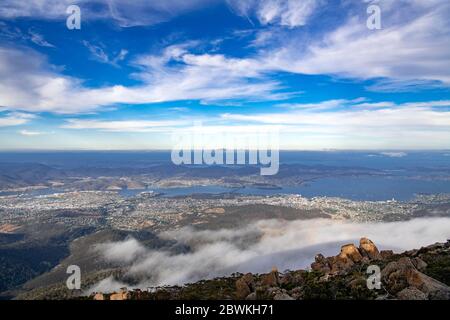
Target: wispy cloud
[[34, 85], [124, 13], [365, 126], [394, 154], [32, 133], [405, 50], [15, 119], [289, 13], [38, 39], [362, 103], [99, 54], [125, 125], [17, 34]]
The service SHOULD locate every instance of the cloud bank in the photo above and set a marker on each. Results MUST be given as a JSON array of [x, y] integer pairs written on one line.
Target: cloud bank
[[259, 247]]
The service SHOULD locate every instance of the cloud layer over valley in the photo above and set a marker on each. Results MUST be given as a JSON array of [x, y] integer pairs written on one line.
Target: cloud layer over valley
[[259, 247]]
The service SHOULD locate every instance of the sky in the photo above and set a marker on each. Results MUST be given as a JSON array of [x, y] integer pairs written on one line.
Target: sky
[[139, 74]]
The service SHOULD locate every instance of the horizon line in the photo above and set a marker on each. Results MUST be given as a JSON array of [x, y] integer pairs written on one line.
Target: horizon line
[[169, 150]]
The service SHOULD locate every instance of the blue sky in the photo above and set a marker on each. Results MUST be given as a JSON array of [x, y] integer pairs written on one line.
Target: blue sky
[[139, 71]]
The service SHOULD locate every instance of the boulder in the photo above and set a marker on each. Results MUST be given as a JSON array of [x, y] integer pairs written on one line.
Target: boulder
[[242, 289], [369, 249], [386, 254], [282, 296], [398, 275], [271, 279], [99, 296], [319, 258], [394, 274], [339, 264], [251, 296], [321, 264], [411, 293], [419, 264], [120, 296], [296, 293], [434, 289], [249, 280], [350, 251]]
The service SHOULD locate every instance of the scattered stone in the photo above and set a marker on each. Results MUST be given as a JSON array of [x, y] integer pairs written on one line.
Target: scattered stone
[[411, 293], [296, 293], [282, 296], [251, 296], [386, 254], [99, 296], [123, 294], [321, 264]]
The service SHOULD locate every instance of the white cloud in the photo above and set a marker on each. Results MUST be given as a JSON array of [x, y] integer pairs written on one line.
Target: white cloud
[[34, 8], [99, 54], [15, 119], [347, 124], [32, 133], [34, 85], [39, 39], [359, 125], [125, 251], [125, 13], [289, 13], [362, 103], [412, 47], [124, 125], [402, 116], [15, 33], [404, 85], [323, 105], [394, 154], [407, 53]]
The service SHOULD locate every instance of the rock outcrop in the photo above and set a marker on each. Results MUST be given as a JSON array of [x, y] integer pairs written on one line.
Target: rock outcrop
[[368, 249], [244, 286], [271, 279], [347, 258], [403, 274]]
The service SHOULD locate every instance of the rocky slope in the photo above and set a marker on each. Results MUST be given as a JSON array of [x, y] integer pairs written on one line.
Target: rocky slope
[[422, 274]]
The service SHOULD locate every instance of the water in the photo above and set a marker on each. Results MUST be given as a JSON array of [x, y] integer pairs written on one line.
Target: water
[[401, 182], [353, 188]]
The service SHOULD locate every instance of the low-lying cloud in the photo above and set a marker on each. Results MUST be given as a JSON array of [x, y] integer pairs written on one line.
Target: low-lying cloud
[[259, 247]]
